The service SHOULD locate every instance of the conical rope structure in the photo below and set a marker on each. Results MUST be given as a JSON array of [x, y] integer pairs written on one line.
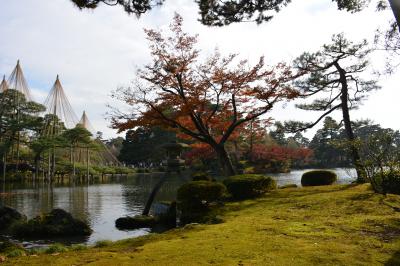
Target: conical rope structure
[[57, 104], [106, 156], [3, 85], [17, 81], [84, 121]]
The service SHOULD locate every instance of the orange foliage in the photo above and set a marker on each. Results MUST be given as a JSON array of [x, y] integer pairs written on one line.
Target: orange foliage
[[205, 101]]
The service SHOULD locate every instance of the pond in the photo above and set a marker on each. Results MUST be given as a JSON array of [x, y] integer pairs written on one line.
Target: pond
[[100, 204]]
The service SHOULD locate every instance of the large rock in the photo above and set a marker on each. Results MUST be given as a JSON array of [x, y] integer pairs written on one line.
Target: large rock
[[56, 223], [166, 213], [10, 216], [6, 245]]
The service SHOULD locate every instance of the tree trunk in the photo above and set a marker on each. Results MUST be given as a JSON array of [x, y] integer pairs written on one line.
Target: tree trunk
[[18, 147], [153, 194], [395, 6], [53, 163], [37, 158], [224, 160], [49, 168], [347, 125], [73, 165], [87, 164], [4, 170]]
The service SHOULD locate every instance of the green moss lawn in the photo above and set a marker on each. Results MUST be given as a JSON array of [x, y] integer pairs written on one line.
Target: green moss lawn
[[330, 225]]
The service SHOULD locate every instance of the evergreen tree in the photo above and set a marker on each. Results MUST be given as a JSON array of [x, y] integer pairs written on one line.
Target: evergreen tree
[[334, 74]]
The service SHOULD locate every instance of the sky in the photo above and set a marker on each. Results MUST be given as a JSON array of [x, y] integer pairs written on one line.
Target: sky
[[96, 51]]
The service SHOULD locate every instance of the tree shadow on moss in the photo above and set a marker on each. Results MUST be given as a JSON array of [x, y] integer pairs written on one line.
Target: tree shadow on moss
[[394, 260]]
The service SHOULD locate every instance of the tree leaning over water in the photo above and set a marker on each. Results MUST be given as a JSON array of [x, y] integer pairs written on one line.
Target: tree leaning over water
[[335, 74], [206, 101]]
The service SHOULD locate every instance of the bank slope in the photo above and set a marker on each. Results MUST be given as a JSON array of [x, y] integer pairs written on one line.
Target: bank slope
[[331, 225]]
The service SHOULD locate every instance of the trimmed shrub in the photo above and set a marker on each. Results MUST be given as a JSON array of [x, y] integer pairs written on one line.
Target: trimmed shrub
[[199, 193], [318, 178], [195, 200], [201, 176], [249, 185]]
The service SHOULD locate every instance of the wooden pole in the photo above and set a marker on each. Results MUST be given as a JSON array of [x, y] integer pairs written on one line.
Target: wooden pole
[[87, 164], [73, 165], [4, 170], [53, 164]]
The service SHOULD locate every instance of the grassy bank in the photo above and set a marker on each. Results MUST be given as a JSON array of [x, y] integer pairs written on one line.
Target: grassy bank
[[332, 225]]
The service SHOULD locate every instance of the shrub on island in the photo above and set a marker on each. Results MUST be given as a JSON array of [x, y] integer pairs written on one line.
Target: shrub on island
[[318, 178], [56, 223], [8, 217], [249, 185]]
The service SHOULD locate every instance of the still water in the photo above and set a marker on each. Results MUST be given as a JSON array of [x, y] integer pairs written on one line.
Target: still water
[[100, 204]]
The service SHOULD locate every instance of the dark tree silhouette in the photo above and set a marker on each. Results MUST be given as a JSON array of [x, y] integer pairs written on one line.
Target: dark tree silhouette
[[225, 12]]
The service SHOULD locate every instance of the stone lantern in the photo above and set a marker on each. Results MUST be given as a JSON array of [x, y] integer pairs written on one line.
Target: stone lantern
[[174, 151]]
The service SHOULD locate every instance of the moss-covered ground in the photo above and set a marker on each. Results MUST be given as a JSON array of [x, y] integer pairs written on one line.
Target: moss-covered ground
[[330, 225]]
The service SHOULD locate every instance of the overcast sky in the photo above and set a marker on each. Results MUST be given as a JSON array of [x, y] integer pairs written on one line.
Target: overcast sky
[[94, 52]]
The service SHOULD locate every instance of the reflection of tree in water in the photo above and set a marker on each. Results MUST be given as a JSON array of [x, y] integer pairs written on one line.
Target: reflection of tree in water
[[34, 199], [137, 189]]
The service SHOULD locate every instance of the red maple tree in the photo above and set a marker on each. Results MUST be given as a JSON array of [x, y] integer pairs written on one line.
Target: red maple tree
[[206, 101]]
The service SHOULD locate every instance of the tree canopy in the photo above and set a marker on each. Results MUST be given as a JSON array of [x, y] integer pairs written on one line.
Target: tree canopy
[[206, 101]]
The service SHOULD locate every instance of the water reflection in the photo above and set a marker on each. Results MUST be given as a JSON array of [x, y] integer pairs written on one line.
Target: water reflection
[[100, 204]]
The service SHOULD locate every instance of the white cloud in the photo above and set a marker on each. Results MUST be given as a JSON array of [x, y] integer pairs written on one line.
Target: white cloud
[[96, 51]]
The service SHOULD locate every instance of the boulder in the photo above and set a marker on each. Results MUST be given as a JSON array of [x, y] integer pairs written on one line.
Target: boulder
[[138, 221], [165, 213], [10, 216], [7, 245], [56, 223]]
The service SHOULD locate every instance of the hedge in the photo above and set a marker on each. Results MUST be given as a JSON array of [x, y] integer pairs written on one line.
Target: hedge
[[249, 185], [318, 178]]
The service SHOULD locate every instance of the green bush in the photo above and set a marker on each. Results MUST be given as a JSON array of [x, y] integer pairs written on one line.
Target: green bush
[[195, 200], [199, 193], [201, 176], [56, 248], [15, 253], [78, 247], [249, 185], [389, 182], [249, 170], [318, 178]]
